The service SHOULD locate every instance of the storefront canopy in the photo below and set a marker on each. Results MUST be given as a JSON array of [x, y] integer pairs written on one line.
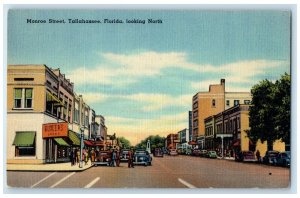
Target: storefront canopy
[[24, 138], [88, 143], [61, 142], [54, 99], [74, 138]]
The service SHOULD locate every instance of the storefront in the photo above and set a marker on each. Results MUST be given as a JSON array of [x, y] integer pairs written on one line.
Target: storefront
[[59, 142]]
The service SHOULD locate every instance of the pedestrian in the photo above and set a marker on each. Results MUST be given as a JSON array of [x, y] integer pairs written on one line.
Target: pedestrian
[[118, 158], [71, 157], [113, 157], [77, 155], [93, 155], [130, 159], [86, 157], [258, 156]]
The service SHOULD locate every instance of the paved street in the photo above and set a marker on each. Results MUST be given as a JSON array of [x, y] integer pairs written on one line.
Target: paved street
[[166, 172]]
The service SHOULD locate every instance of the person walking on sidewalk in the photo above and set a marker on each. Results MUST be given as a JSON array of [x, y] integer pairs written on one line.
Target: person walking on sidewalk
[[93, 155], [258, 156], [77, 153], [86, 157], [72, 157], [118, 158]]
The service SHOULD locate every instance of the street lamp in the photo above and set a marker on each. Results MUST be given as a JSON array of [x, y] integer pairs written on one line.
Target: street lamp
[[81, 145]]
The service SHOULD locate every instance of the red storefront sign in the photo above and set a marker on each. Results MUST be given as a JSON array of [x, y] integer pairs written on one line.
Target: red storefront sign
[[55, 130]]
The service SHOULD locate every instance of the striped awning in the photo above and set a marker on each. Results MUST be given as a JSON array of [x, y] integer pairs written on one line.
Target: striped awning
[[61, 142], [25, 138], [54, 99], [74, 138]]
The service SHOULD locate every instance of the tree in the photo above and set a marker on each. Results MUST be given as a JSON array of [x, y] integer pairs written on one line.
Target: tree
[[155, 141], [125, 143], [269, 114]]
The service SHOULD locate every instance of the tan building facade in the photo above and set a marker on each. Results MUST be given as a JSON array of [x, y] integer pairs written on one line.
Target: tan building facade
[[32, 103], [216, 100]]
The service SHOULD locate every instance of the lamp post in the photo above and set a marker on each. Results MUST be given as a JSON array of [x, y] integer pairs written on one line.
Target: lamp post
[[81, 145]]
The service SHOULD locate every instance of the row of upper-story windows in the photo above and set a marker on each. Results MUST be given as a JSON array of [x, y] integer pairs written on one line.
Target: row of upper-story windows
[[237, 102], [209, 131]]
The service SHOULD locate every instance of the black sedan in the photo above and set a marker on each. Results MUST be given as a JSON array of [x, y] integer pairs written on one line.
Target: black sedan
[[142, 157], [270, 157]]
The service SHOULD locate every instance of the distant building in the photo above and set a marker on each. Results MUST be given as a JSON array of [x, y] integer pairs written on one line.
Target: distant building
[[214, 101], [172, 141], [190, 126]]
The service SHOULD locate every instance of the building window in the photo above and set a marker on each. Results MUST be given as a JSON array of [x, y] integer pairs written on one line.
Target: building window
[[195, 105], [195, 114], [247, 102], [236, 102], [213, 103], [23, 98], [227, 102], [196, 123], [25, 144]]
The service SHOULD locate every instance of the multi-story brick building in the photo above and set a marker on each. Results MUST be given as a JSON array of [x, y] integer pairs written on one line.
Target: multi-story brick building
[[216, 100], [228, 129]]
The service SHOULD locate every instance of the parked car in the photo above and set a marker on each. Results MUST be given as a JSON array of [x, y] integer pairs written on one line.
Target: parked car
[[124, 155], [180, 151], [283, 159], [142, 157], [248, 156], [165, 151], [188, 151], [270, 157], [196, 152], [173, 152], [203, 153], [211, 154], [158, 152], [103, 158]]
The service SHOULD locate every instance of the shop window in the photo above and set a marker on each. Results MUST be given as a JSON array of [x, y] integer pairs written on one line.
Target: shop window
[[23, 98], [25, 143], [25, 151]]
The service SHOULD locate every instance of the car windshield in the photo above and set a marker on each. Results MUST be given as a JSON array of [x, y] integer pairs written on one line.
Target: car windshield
[[212, 152], [272, 154]]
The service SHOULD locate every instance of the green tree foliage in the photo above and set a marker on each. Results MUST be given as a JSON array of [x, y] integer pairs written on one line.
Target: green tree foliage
[[269, 115], [155, 141], [125, 143]]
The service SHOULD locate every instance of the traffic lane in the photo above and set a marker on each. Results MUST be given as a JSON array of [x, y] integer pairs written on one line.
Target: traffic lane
[[138, 177], [25, 179], [49, 182], [204, 173]]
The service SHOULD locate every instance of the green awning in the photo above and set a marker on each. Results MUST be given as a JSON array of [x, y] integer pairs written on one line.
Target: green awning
[[24, 138], [61, 142], [74, 138]]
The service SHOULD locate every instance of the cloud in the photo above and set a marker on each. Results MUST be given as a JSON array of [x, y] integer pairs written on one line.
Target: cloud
[[238, 73]]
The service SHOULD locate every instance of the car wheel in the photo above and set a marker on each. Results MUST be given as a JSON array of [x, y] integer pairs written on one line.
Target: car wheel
[[145, 164]]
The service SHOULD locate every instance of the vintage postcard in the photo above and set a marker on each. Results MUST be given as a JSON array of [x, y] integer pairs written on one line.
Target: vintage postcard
[[148, 98]]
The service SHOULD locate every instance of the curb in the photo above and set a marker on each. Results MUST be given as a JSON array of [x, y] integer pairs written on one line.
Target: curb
[[47, 170]]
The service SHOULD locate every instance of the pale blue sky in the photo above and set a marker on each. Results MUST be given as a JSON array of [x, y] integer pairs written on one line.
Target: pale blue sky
[[142, 77]]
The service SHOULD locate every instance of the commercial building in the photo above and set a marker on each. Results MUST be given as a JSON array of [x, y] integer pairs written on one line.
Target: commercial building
[[227, 132], [172, 141], [216, 100], [44, 115]]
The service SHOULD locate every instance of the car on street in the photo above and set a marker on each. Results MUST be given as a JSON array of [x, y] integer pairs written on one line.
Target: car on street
[[103, 158], [283, 159], [270, 157], [245, 156], [173, 152], [203, 153], [196, 152], [188, 151], [158, 152], [142, 157], [124, 155], [165, 151], [211, 154]]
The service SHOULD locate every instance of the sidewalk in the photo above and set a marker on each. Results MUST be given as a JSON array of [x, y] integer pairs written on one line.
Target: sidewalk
[[47, 167]]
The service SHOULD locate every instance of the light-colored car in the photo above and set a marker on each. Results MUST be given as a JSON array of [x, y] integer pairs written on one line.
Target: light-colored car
[[173, 152], [211, 154], [203, 153]]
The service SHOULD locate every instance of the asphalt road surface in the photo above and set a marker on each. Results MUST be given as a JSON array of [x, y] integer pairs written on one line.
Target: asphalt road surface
[[166, 172]]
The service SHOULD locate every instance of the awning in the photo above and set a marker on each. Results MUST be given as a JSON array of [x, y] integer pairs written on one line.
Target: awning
[[24, 138], [88, 143], [54, 99], [61, 142], [74, 138]]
